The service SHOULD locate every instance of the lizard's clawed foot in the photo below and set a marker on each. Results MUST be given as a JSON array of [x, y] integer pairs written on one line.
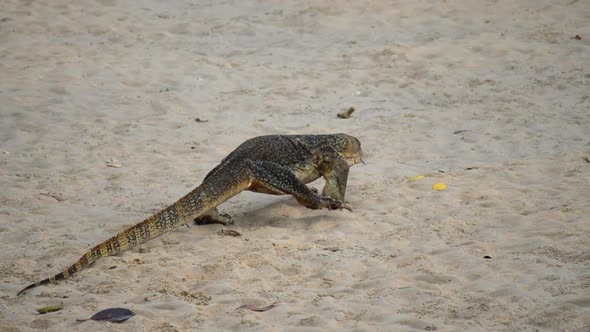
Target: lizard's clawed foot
[[335, 204], [225, 219], [221, 218]]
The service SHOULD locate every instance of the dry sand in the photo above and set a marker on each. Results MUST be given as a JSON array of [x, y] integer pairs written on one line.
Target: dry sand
[[85, 81]]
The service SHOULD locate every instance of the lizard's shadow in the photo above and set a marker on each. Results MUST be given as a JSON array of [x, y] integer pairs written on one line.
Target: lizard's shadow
[[279, 214]]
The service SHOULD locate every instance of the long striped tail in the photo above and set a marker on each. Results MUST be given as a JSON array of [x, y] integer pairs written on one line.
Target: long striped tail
[[154, 226], [215, 190], [190, 206]]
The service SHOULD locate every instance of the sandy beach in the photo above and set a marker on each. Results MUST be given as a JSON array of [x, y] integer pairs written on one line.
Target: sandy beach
[[491, 98]]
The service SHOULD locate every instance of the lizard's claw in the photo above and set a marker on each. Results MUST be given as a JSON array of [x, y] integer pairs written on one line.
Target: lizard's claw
[[335, 204]]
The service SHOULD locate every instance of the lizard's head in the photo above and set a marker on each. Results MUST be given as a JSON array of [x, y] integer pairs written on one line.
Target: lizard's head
[[349, 148]]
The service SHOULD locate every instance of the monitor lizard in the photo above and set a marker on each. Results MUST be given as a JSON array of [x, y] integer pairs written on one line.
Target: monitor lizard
[[272, 164]]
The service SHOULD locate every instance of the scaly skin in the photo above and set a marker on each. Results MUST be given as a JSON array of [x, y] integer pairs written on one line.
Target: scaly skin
[[273, 164]]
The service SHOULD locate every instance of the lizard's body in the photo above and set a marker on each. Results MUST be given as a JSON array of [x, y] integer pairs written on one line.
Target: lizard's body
[[272, 164]]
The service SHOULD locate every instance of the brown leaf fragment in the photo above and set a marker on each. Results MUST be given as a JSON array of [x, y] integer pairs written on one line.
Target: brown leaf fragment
[[332, 249], [229, 232], [257, 309], [138, 261], [50, 308], [578, 37], [57, 196], [346, 114]]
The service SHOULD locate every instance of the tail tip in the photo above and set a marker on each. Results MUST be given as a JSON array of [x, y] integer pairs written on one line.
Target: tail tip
[[42, 282], [24, 290]]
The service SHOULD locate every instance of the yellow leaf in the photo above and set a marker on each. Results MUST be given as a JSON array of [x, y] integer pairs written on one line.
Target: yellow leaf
[[439, 186]]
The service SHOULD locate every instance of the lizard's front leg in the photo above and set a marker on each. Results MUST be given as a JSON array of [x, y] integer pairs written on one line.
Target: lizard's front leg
[[268, 177], [334, 169]]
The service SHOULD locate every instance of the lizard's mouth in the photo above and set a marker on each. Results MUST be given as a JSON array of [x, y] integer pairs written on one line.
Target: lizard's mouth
[[358, 158]]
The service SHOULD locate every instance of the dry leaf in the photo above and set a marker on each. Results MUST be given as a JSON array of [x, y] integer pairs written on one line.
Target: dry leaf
[[346, 114], [257, 309], [114, 163], [57, 196], [229, 232], [417, 177], [50, 308], [138, 261], [115, 315]]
